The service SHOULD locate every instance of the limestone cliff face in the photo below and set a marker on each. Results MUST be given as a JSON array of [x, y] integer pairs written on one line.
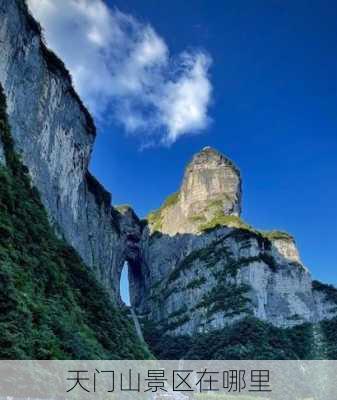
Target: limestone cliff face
[[210, 177], [205, 268], [54, 134], [211, 188]]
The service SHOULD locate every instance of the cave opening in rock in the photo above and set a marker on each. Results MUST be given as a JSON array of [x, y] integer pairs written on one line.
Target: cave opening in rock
[[124, 285]]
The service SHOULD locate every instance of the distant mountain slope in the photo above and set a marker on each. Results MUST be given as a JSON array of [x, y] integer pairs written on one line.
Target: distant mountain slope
[[51, 306]]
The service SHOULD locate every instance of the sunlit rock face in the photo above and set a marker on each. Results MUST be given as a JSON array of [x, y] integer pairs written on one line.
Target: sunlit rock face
[[211, 187], [208, 178]]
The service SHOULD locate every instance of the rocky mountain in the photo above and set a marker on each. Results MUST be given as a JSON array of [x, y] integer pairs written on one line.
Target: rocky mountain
[[206, 268], [195, 267], [211, 189]]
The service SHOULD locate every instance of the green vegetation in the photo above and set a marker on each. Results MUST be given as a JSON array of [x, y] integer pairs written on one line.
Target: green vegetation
[[248, 339], [274, 235], [232, 267], [220, 220], [168, 291], [155, 218], [122, 208], [233, 221], [171, 200], [51, 306], [174, 320], [217, 251], [210, 255], [229, 298], [197, 219], [329, 329], [196, 283], [329, 291]]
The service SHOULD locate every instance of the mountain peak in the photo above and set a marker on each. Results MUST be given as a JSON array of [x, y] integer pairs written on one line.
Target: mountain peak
[[208, 152], [208, 157], [211, 188], [211, 177]]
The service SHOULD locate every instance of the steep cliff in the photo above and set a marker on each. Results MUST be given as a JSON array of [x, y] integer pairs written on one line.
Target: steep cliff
[[207, 269], [54, 134], [51, 305], [211, 189]]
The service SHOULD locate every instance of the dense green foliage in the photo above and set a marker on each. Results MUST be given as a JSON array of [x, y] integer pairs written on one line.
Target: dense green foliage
[[51, 306], [171, 200], [247, 339], [329, 330], [274, 235], [226, 297], [155, 220], [220, 219]]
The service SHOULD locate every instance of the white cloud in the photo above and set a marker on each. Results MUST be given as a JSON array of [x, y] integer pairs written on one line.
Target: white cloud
[[121, 64]]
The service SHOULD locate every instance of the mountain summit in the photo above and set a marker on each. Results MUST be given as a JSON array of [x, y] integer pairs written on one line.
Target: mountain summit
[[211, 177], [211, 189]]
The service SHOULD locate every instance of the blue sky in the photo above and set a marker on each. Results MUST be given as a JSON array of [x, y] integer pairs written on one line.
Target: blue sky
[[271, 106]]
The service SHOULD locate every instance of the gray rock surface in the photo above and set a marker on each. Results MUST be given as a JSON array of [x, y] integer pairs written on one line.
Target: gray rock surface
[[54, 134], [211, 186]]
